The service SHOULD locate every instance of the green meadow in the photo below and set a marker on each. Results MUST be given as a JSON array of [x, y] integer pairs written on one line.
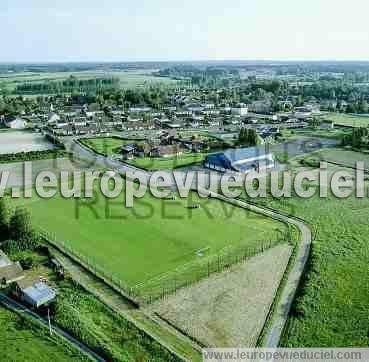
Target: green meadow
[[331, 308], [23, 340], [154, 237], [348, 119]]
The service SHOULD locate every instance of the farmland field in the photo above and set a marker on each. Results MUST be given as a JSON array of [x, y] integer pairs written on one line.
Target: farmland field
[[21, 340], [328, 310], [155, 236], [228, 309], [128, 79], [348, 119]]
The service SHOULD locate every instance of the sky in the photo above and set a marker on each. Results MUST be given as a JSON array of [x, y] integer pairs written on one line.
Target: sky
[[165, 30]]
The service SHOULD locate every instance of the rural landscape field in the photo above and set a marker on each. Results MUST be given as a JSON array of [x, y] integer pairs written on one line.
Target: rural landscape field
[[184, 183], [155, 237]]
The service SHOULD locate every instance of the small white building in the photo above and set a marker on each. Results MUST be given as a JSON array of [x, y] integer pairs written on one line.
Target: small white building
[[15, 123], [34, 293], [240, 111]]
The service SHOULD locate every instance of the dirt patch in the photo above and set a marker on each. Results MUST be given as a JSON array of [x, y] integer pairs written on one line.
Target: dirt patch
[[228, 309]]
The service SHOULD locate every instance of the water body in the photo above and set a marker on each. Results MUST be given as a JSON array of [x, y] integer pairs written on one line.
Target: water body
[[20, 141]]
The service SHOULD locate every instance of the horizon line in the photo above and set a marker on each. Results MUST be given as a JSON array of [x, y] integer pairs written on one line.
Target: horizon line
[[261, 60]]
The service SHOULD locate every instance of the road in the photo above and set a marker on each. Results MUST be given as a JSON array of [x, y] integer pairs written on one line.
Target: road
[[21, 309], [283, 306]]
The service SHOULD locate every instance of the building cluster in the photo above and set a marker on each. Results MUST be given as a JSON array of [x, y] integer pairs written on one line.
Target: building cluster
[[167, 143], [178, 113], [33, 291]]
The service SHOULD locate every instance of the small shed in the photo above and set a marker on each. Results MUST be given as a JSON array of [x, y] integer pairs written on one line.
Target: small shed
[[128, 151], [10, 274], [35, 293]]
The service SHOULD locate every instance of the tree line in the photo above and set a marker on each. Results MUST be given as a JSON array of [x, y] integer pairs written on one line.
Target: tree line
[[70, 85]]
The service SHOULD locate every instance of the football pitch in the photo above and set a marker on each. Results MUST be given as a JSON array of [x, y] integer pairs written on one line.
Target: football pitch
[[154, 237]]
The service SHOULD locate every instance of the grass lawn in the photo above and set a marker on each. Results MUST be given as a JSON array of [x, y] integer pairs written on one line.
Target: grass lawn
[[103, 330], [348, 120], [343, 157], [154, 237], [22, 340], [332, 305], [83, 316], [106, 146], [170, 163], [335, 133]]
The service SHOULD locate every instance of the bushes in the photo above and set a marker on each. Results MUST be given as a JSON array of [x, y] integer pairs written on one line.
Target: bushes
[[4, 219], [16, 226], [104, 331], [32, 155], [27, 263], [311, 162]]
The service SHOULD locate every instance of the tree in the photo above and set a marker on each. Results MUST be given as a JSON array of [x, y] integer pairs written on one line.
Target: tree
[[4, 219], [21, 228], [315, 122], [248, 137]]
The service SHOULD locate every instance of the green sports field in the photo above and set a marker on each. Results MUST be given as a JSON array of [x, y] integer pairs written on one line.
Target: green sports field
[[155, 236]]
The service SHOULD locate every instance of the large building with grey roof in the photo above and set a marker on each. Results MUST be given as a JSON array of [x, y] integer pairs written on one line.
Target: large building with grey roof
[[241, 160]]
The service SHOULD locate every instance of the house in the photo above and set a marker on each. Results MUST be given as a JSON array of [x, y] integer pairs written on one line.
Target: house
[[175, 125], [9, 272], [128, 151], [242, 160], [15, 123], [140, 109], [162, 122], [34, 292], [240, 111], [52, 117], [195, 107], [166, 151], [263, 106]]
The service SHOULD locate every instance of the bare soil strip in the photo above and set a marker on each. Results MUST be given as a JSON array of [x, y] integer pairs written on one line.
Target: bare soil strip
[[228, 309]]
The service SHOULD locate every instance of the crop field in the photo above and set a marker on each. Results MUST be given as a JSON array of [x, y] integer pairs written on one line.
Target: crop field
[[128, 79], [21, 340], [328, 310], [228, 309], [348, 119], [153, 238]]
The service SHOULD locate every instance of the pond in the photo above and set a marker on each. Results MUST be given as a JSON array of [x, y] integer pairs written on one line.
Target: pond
[[20, 141]]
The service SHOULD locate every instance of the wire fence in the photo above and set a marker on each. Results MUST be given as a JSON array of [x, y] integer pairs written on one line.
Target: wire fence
[[168, 283], [93, 267]]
